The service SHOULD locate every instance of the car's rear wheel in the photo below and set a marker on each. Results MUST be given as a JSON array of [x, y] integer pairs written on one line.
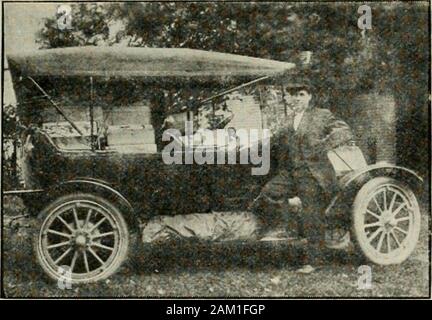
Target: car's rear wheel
[[81, 238], [386, 221]]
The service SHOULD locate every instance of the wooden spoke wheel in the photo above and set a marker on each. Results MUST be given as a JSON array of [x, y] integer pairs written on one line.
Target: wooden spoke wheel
[[82, 237], [386, 221]]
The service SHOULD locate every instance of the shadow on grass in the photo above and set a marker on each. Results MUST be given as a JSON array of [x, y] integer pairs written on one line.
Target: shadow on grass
[[255, 255]]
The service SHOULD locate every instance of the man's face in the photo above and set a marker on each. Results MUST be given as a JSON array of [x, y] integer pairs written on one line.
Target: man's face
[[297, 99], [232, 133]]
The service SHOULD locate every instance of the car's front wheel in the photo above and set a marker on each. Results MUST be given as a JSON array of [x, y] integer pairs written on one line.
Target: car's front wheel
[[81, 238], [386, 221]]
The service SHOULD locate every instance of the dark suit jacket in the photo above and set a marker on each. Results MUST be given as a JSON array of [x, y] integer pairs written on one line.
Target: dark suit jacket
[[318, 132]]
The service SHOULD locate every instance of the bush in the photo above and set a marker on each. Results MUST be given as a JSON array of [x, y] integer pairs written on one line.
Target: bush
[[10, 146]]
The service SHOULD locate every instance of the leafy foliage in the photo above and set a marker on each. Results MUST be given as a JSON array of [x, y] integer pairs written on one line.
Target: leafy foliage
[[10, 143], [89, 27], [268, 30]]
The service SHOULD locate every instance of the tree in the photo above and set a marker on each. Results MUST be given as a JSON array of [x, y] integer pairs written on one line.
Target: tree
[[89, 27]]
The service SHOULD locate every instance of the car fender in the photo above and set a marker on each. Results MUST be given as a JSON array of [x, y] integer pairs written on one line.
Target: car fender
[[340, 206], [359, 177], [98, 187]]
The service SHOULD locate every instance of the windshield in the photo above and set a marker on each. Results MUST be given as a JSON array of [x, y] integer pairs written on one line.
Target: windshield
[[241, 114]]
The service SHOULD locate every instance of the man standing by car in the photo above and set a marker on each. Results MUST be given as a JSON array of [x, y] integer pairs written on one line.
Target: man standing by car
[[304, 179]]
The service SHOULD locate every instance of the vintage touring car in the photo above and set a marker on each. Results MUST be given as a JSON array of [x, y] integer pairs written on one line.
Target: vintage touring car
[[92, 154]]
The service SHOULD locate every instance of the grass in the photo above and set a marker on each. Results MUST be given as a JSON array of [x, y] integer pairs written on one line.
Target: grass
[[218, 270]]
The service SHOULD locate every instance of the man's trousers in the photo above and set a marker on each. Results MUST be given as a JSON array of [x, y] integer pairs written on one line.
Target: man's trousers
[[272, 207]]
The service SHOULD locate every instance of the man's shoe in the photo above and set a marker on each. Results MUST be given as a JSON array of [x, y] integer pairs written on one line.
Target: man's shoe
[[338, 242]]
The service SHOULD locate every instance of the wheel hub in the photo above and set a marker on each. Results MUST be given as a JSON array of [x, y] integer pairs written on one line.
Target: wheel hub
[[81, 241], [387, 221], [387, 227], [82, 237]]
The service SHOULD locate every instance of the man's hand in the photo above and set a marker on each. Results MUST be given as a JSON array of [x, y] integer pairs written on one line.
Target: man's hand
[[338, 133], [295, 203]]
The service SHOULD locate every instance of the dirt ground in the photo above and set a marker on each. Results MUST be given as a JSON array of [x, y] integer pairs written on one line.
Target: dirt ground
[[218, 270]]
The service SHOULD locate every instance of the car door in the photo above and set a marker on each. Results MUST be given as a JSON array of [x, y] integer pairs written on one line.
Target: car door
[[233, 184]]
